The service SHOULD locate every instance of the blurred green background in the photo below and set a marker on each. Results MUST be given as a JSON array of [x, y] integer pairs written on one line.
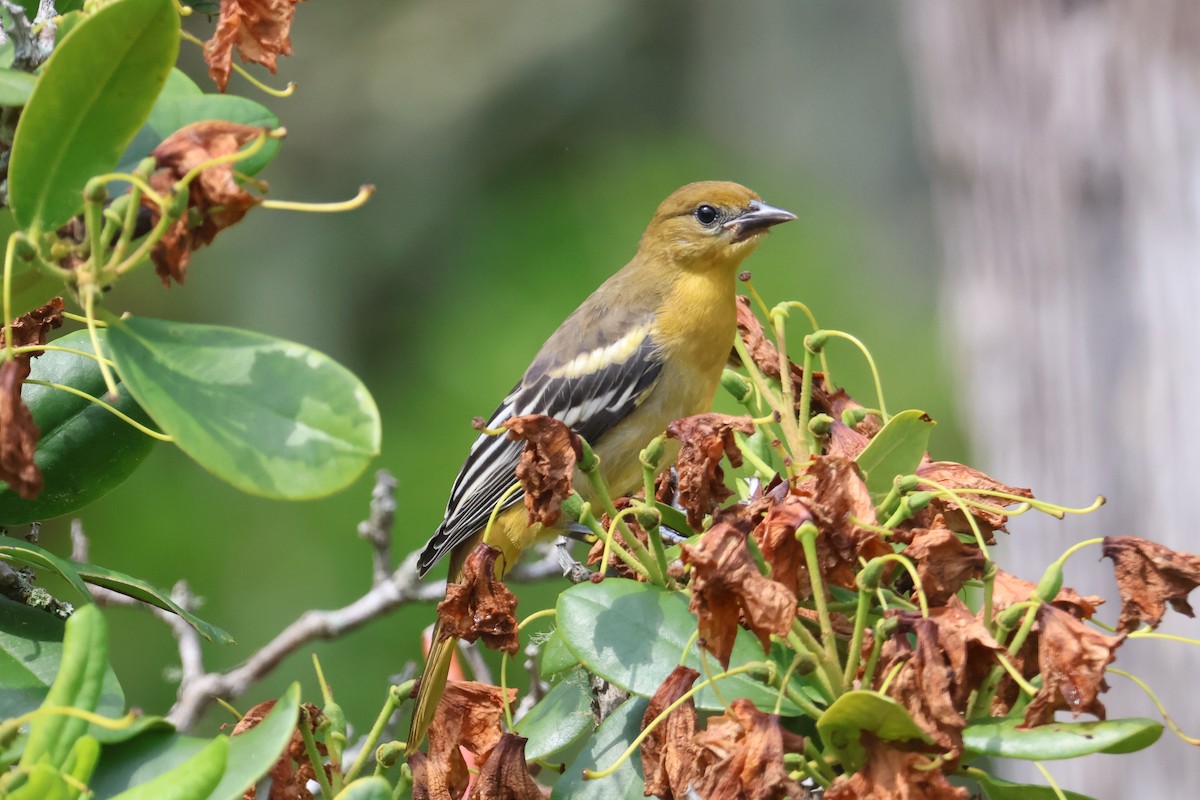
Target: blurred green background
[[518, 150]]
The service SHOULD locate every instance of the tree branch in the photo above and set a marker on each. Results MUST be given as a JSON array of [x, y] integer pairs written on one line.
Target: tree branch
[[198, 688]]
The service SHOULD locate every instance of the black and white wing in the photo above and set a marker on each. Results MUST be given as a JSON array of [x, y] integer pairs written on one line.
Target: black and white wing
[[591, 390]]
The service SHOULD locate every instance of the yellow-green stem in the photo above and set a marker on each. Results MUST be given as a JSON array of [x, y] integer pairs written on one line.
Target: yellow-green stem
[[870, 363], [314, 756], [759, 380], [807, 533], [88, 290], [806, 387], [635, 547], [588, 520], [358, 201], [828, 675], [396, 696], [1157, 704], [162, 437], [854, 654], [1058, 792], [787, 412]]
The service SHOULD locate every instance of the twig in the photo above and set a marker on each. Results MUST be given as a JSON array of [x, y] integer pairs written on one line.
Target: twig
[[572, 570], [402, 586], [537, 687], [377, 528], [474, 658], [30, 49]]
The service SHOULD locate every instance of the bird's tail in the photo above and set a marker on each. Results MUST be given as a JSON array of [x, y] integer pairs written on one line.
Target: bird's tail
[[433, 685]]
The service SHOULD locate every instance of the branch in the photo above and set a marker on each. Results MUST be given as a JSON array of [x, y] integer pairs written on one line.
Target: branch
[[388, 591]]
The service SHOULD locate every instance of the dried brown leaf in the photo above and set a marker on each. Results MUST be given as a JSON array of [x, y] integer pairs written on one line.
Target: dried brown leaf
[[505, 776], [944, 562], [836, 497], [430, 783], [704, 439], [468, 716], [259, 29], [776, 538], [669, 757], [18, 433], [1149, 576], [480, 606], [215, 199], [845, 442], [892, 774], [726, 585], [1071, 660], [741, 756], [968, 647], [547, 464], [923, 684]]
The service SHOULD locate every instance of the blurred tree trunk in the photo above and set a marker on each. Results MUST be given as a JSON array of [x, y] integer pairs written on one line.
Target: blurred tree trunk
[[1064, 144]]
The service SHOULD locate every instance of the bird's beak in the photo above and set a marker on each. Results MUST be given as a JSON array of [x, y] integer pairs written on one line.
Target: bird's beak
[[755, 221]]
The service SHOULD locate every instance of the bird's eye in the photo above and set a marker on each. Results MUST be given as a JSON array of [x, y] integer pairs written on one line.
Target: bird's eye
[[706, 215]]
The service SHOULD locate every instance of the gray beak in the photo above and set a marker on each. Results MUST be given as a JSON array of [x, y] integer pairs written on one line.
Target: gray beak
[[756, 220]]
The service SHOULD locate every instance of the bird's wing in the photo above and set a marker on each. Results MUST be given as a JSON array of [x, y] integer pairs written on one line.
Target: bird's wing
[[589, 390]]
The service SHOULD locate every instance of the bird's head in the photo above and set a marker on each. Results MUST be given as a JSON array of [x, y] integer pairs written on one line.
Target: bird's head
[[709, 225]]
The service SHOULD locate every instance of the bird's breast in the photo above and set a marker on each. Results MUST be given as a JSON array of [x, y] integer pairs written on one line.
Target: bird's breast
[[694, 332]]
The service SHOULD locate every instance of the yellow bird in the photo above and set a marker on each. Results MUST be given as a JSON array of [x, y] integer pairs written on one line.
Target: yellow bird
[[644, 349]]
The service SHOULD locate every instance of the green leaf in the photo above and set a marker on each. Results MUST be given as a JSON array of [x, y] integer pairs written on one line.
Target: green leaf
[[674, 519], [251, 754], [42, 782], [1003, 739], [633, 634], [23, 552], [373, 788], [31, 647], [15, 87], [997, 789], [842, 724], [140, 590], [896, 450], [135, 761], [271, 417], [26, 553], [84, 451], [611, 739], [96, 90], [79, 684], [558, 720], [556, 656], [192, 780]]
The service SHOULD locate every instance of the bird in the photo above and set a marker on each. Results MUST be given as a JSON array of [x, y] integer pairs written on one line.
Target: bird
[[645, 348]]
